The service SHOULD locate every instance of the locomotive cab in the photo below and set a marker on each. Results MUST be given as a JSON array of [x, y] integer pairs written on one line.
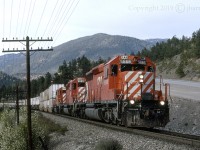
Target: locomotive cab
[[139, 104]]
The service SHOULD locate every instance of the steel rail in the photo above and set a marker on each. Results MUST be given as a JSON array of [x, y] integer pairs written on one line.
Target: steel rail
[[169, 136]]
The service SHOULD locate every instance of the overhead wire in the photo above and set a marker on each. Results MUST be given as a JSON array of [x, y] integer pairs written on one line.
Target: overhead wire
[[46, 56], [23, 17], [56, 16], [29, 9], [18, 18], [55, 20], [31, 16], [56, 36], [41, 20], [3, 17], [41, 17], [61, 18], [67, 18], [50, 19], [11, 18]]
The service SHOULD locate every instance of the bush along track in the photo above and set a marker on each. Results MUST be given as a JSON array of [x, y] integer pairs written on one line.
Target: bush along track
[[14, 136]]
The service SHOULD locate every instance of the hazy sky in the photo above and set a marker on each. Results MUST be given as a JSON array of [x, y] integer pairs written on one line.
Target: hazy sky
[[66, 20]]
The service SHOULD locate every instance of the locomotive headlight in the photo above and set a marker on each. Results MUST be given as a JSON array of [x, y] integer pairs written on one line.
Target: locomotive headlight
[[132, 102], [141, 78], [162, 103]]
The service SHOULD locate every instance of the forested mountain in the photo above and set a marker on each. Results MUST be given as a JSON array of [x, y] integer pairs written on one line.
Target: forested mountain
[[67, 71], [8, 85], [177, 57], [93, 47], [7, 80]]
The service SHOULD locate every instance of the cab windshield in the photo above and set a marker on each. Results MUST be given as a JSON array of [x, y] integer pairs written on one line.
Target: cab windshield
[[81, 84], [131, 67]]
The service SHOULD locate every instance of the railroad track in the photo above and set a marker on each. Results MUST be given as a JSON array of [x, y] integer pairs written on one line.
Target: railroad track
[[153, 133]]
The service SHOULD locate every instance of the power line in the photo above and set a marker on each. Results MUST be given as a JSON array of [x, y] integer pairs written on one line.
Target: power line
[[27, 17], [56, 17], [18, 18], [56, 25], [41, 18], [31, 16], [23, 16], [61, 18], [50, 18], [3, 16], [67, 20], [11, 17]]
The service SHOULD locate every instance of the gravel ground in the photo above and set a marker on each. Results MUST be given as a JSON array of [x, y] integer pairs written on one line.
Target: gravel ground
[[184, 118]]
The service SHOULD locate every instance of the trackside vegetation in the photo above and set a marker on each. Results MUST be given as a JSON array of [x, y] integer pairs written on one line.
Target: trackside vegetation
[[108, 144], [14, 137]]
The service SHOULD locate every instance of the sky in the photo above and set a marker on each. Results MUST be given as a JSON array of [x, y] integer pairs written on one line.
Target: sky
[[65, 20]]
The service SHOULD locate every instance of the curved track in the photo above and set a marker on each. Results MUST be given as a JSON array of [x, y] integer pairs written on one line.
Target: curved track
[[154, 133]]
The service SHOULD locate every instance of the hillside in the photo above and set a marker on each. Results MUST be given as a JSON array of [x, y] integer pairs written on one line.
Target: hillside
[[177, 57], [168, 68], [93, 47]]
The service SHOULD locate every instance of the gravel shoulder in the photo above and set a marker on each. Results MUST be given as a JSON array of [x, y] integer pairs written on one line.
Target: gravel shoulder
[[184, 116]]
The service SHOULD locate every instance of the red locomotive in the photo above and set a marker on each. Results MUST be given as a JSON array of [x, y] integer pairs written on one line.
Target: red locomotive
[[121, 91]]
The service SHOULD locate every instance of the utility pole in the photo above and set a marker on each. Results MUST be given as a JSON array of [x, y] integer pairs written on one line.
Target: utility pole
[[17, 103], [27, 40]]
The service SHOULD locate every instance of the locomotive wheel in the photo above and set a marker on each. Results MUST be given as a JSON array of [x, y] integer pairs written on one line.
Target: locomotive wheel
[[114, 120], [106, 117], [126, 120]]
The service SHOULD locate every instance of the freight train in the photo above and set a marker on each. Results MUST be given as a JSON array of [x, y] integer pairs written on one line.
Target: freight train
[[121, 91]]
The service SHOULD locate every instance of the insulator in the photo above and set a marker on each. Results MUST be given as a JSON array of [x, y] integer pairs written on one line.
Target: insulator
[[2, 38], [6, 38]]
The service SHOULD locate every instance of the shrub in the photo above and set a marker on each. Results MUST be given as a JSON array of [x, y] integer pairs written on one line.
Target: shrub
[[15, 137], [108, 144], [180, 70]]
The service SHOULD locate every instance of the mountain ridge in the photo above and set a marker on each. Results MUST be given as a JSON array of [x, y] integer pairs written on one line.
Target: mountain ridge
[[93, 46]]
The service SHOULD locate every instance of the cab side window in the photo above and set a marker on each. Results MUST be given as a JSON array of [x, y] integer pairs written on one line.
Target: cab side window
[[114, 70], [150, 69], [74, 86]]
